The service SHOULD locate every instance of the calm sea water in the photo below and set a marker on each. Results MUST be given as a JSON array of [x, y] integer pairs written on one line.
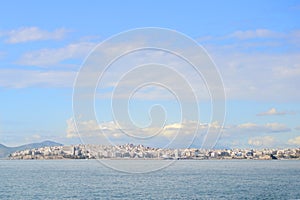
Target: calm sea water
[[185, 179]]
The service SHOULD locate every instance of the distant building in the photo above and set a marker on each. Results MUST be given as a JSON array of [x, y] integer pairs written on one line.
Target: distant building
[[69, 150]]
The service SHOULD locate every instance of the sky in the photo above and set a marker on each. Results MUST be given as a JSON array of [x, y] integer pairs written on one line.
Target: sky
[[254, 45]]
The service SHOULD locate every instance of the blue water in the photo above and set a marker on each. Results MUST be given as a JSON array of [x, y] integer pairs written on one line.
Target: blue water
[[184, 179]]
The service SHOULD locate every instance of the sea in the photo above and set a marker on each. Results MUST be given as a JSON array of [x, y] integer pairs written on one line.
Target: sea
[[183, 179]]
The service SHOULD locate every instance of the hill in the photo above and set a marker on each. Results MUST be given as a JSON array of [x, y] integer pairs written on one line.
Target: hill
[[5, 151]]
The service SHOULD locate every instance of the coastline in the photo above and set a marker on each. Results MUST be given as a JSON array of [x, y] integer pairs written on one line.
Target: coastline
[[140, 152]]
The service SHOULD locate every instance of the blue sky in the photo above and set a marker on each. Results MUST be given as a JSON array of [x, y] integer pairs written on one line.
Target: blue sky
[[255, 45]]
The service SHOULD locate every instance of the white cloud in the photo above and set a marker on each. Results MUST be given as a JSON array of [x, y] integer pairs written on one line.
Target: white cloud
[[27, 34], [273, 111], [173, 79], [277, 127], [248, 125], [292, 71], [257, 128], [294, 141], [16, 78], [181, 132], [71, 128], [258, 33], [247, 76], [19, 78], [54, 57], [187, 128], [263, 141], [259, 76], [250, 76], [90, 128], [261, 69], [252, 129], [255, 38], [175, 134]]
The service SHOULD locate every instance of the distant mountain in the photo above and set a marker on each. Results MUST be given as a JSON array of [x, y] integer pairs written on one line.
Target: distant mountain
[[5, 151]]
